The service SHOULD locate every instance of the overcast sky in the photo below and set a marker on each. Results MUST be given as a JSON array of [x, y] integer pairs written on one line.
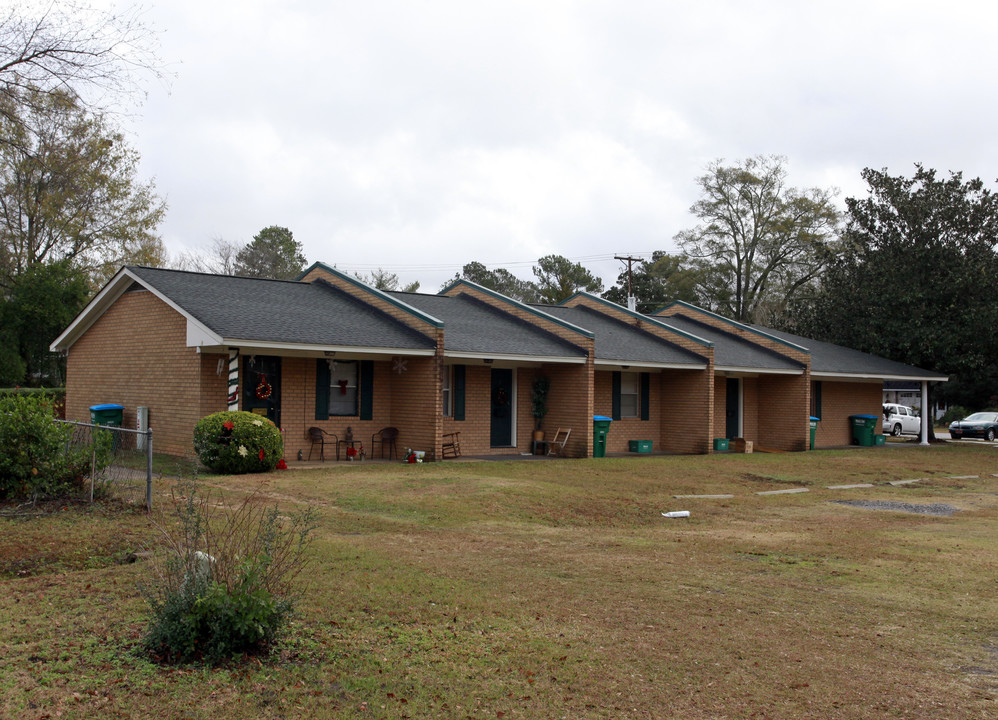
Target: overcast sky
[[419, 136]]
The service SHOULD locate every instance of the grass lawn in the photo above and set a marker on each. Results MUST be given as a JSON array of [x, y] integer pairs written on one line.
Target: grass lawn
[[553, 589]]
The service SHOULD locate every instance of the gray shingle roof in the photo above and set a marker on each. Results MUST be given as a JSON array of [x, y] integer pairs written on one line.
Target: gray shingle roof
[[829, 358], [474, 326], [616, 340], [732, 351], [281, 311]]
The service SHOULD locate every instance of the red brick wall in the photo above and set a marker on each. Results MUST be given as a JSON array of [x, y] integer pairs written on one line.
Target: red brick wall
[[568, 407], [839, 400], [625, 429], [784, 402], [416, 405], [135, 354], [686, 402]]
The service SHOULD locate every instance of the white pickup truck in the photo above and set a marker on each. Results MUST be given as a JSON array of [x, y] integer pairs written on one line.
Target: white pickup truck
[[900, 420]]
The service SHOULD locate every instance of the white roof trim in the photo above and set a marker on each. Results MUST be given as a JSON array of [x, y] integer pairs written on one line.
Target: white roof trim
[[874, 376], [227, 343], [653, 365], [573, 360], [113, 290], [756, 371]]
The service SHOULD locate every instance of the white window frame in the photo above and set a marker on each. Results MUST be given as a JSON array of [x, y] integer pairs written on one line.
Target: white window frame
[[626, 392]]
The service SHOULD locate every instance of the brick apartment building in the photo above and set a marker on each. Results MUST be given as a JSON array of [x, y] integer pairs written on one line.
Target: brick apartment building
[[329, 351]]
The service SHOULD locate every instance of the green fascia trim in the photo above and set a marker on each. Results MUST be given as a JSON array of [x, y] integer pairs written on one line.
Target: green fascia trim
[[374, 291], [661, 323], [510, 301], [781, 341]]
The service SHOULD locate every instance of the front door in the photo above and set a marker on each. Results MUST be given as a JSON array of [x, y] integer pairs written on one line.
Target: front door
[[731, 409], [502, 408], [262, 386]]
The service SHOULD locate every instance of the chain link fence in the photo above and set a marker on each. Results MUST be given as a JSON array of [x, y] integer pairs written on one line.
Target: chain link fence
[[120, 461]]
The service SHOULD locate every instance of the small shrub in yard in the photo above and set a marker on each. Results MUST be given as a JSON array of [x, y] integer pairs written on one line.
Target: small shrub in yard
[[238, 442], [228, 585], [954, 413], [37, 457]]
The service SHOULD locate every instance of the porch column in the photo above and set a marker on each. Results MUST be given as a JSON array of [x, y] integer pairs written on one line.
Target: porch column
[[926, 413], [233, 379]]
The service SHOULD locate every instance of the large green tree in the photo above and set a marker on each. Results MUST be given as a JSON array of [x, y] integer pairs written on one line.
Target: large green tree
[[759, 243], [656, 282], [69, 190], [274, 253], [501, 280], [558, 278], [917, 281], [39, 305]]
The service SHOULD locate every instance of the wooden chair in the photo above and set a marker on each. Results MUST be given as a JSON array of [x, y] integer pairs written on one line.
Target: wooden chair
[[318, 435], [452, 445], [557, 444], [386, 437]]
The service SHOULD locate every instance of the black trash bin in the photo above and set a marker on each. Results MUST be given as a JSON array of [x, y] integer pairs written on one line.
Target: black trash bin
[[601, 426]]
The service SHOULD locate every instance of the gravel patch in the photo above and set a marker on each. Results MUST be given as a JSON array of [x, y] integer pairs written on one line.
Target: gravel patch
[[931, 509]]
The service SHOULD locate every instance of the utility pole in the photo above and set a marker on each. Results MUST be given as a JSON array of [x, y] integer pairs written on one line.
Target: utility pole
[[631, 301]]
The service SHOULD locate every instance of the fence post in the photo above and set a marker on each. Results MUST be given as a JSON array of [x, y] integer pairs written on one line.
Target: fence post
[[148, 435]]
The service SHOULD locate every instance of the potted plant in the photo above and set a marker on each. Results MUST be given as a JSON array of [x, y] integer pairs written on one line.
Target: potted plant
[[540, 408]]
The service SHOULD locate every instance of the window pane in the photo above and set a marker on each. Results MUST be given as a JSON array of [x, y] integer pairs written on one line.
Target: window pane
[[343, 388], [446, 391], [629, 406]]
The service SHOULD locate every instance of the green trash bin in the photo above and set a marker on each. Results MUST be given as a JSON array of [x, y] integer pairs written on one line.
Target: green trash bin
[[814, 429], [601, 426], [107, 414], [864, 427]]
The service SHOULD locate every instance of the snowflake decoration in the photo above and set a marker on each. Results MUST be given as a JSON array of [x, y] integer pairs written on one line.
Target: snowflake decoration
[[399, 365]]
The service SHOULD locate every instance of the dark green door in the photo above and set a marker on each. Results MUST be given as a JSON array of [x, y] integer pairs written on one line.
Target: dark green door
[[502, 408], [262, 386], [732, 429]]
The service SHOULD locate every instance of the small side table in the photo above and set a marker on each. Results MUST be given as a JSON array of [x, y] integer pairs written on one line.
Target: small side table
[[543, 445]]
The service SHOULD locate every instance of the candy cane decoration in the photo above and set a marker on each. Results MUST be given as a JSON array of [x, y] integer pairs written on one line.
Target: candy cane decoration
[[233, 379]]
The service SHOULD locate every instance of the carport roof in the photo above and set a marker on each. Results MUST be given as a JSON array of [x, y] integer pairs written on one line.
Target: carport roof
[[835, 360]]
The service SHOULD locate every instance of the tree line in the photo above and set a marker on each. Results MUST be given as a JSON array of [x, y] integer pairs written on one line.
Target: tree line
[[906, 272]]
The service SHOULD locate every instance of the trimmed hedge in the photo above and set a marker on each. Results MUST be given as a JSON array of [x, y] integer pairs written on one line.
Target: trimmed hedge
[[232, 443]]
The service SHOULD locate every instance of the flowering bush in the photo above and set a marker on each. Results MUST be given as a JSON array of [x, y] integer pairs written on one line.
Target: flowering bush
[[238, 442]]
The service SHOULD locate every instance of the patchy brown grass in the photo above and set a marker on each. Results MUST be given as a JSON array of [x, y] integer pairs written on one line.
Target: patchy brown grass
[[556, 589]]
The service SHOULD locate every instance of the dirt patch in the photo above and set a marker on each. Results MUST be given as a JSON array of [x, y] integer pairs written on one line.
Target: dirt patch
[[940, 509]]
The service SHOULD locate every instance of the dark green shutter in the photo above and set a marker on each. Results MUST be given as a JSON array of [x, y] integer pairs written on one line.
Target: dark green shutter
[[458, 390], [645, 395], [366, 389], [615, 403], [321, 390], [816, 398]]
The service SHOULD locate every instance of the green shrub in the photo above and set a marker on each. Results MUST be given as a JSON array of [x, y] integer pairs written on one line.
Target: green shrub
[[229, 583], [954, 413], [238, 442], [37, 456]]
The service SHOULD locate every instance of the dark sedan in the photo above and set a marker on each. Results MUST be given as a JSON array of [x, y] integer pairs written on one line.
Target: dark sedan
[[979, 425]]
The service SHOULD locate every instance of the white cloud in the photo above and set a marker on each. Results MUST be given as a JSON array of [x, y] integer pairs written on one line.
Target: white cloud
[[422, 136]]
